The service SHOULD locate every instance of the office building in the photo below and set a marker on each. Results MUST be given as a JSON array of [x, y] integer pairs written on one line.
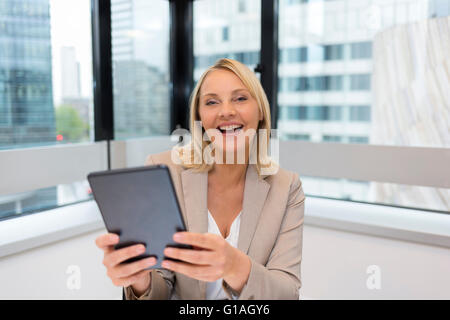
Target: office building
[[70, 73], [325, 90], [140, 70], [26, 105]]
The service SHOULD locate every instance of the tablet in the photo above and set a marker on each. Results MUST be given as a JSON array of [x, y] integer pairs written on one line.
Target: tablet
[[141, 206]]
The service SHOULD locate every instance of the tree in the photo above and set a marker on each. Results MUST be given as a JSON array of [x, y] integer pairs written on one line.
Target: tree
[[70, 125]]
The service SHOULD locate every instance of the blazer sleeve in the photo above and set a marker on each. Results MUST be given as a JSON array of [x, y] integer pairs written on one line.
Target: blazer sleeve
[[162, 280], [280, 277]]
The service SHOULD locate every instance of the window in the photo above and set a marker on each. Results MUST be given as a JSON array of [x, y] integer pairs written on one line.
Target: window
[[333, 86], [239, 37], [348, 66], [311, 113], [334, 52], [140, 55], [242, 8], [356, 139], [361, 50], [315, 83], [225, 34], [331, 138], [297, 136], [45, 73], [46, 95], [360, 82], [360, 113], [353, 79]]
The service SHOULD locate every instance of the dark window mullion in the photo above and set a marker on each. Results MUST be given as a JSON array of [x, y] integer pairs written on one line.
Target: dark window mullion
[[181, 61], [102, 70], [269, 55]]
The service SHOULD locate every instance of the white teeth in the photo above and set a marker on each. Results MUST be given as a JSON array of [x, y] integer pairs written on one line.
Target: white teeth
[[232, 127]]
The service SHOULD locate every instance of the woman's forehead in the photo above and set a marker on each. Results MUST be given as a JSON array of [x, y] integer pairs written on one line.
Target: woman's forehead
[[221, 81]]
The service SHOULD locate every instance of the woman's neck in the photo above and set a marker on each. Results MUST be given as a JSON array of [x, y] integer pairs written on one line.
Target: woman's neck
[[227, 175]]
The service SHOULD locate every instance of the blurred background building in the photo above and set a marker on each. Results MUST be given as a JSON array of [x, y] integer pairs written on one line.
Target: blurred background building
[[326, 65], [140, 70], [334, 83], [26, 99]]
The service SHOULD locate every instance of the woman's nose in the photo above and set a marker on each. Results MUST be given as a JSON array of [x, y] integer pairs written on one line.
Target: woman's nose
[[227, 110]]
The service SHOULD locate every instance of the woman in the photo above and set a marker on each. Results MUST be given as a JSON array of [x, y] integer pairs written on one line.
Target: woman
[[244, 218]]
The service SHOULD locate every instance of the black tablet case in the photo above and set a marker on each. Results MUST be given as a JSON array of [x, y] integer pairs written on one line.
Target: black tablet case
[[141, 206]]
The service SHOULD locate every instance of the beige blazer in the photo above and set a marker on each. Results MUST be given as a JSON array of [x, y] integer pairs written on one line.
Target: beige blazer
[[271, 234]]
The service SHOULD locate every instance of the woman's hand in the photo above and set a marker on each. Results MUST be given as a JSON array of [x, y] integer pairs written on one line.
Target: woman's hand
[[213, 258], [129, 274]]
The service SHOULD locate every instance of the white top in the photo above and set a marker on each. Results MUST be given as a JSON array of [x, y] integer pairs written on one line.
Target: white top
[[214, 290]]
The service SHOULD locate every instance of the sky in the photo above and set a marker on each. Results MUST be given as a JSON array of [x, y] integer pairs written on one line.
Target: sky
[[70, 22], [71, 26]]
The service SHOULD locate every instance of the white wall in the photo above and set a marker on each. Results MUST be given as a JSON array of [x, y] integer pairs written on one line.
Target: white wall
[[41, 273], [335, 264], [334, 267]]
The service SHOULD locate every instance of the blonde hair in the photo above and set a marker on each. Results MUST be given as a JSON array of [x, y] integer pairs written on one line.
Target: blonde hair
[[198, 145]]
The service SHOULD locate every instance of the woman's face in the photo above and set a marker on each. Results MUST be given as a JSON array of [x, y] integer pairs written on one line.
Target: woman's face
[[226, 105]]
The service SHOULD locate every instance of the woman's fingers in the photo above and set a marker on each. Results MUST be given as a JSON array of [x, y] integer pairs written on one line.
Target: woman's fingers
[[205, 273], [128, 269], [120, 255], [124, 274], [107, 241], [202, 257], [202, 240], [132, 279]]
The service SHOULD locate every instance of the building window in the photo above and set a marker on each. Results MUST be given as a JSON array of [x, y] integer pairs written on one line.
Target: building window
[[358, 139], [361, 50], [46, 77], [297, 136], [315, 83], [242, 6], [360, 113], [245, 34], [333, 52], [311, 113], [140, 68], [359, 82], [331, 138], [46, 95], [225, 34]]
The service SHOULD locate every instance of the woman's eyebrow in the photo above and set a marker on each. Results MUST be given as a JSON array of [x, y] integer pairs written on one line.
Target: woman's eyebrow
[[215, 95]]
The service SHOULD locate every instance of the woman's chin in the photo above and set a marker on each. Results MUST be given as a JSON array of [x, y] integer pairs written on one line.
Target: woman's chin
[[233, 152]]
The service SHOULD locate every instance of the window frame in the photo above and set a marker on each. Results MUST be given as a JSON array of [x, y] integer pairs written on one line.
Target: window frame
[[394, 164], [417, 158]]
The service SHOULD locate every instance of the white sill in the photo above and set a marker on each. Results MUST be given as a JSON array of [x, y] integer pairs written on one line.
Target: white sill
[[34, 230], [419, 226], [41, 228]]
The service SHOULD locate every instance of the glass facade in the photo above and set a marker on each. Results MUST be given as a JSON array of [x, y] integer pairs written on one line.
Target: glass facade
[[26, 100], [45, 88], [226, 29], [357, 58], [140, 54], [349, 72], [330, 57]]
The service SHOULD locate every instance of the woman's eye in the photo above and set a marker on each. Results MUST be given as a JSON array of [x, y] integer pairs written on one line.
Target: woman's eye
[[210, 102], [242, 98]]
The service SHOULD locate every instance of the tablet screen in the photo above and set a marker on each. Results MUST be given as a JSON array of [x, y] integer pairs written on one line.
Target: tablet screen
[[141, 206]]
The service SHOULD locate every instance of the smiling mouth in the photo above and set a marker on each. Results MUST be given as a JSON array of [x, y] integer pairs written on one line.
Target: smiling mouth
[[231, 131]]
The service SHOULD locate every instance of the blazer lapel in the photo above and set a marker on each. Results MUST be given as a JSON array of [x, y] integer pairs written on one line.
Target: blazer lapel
[[195, 191], [255, 193]]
